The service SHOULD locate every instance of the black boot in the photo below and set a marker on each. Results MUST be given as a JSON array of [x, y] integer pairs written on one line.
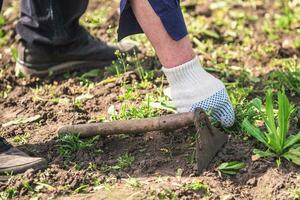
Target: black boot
[[16, 161], [41, 60]]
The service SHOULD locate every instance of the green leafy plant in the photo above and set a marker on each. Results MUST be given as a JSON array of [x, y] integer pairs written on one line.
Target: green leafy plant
[[128, 111], [230, 168], [276, 137], [284, 20], [197, 186], [27, 185], [86, 78], [4, 92], [78, 102], [81, 189], [288, 78], [129, 94], [134, 183], [124, 161], [297, 193], [243, 108], [71, 143], [8, 193]]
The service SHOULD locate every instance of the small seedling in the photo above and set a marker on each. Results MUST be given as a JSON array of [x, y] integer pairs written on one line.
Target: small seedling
[[40, 186], [21, 139], [297, 193], [124, 161], [26, 184], [285, 20], [96, 18], [81, 189], [243, 108], [134, 183], [134, 112], [71, 143], [166, 194], [79, 100], [5, 91], [85, 79], [197, 186], [288, 78], [230, 168], [8, 193], [276, 139], [129, 94]]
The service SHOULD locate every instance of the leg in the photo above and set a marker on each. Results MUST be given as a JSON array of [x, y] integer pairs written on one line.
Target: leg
[[51, 22], [166, 48], [191, 86], [52, 41]]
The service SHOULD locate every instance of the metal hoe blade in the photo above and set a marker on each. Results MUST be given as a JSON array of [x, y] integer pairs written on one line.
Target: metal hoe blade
[[209, 140]]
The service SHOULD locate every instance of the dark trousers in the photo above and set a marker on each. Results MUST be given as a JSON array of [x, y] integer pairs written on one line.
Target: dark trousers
[[51, 22], [56, 22]]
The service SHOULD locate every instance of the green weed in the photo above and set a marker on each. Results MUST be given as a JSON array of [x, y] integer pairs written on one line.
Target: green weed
[[97, 18], [79, 100], [297, 193], [81, 189], [85, 79], [276, 139], [134, 112], [3, 35], [21, 139], [69, 144], [129, 94], [119, 66], [123, 162], [231, 168], [242, 106], [283, 21], [198, 186], [5, 91], [2, 20], [166, 194], [134, 183], [27, 185], [8, 193], [287, 18], [288, 78], [14, 53]]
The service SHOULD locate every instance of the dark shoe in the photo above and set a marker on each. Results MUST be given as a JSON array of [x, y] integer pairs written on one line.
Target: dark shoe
[[41, 60], [12, 160]]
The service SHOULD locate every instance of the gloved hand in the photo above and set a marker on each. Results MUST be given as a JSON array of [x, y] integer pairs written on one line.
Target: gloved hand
[[192, 87]]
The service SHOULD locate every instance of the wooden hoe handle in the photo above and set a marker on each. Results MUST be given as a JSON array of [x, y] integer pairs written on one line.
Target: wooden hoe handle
[[165, 123]]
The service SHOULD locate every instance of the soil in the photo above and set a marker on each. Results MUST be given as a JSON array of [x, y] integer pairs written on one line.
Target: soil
[[158, 156]]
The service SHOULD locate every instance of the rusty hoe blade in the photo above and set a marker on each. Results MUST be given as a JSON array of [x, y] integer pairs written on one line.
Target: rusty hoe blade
[[209, 140]]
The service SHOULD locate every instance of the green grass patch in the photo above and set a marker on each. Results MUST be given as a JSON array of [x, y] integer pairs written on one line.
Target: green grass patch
[[69, 144]]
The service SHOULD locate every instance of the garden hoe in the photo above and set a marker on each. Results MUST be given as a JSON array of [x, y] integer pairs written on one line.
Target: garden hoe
[[209, 140]]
